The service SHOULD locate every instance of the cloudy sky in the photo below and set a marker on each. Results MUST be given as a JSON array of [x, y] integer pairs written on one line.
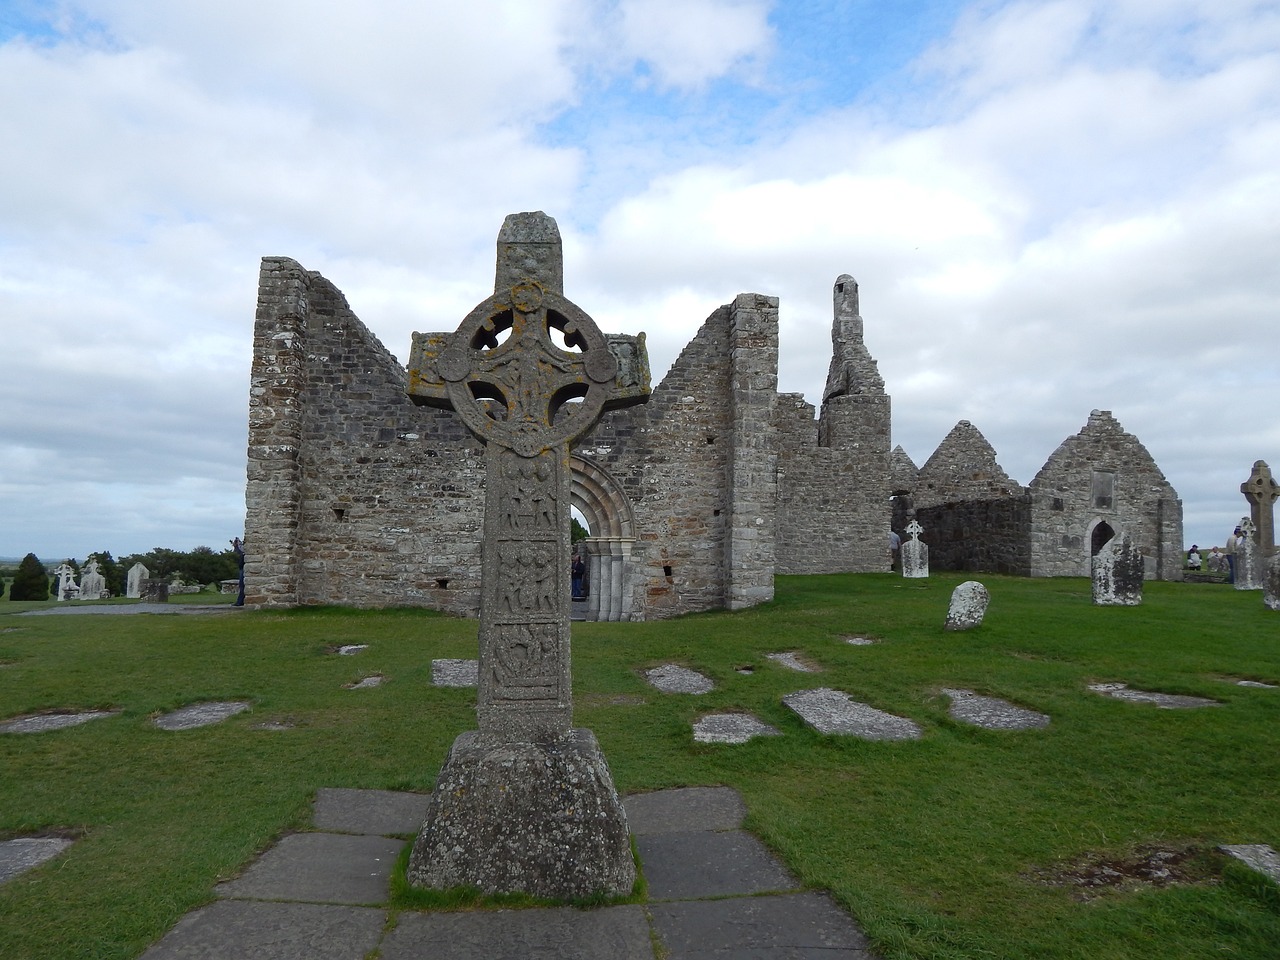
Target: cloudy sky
[[1049, 206]]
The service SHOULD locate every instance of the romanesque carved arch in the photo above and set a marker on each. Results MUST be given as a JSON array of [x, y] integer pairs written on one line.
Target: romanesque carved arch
[[607, 511]]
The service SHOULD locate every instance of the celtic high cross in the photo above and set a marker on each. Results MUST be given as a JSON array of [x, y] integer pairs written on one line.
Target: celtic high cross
[[1261, 490], [526, 803], [529, 373]]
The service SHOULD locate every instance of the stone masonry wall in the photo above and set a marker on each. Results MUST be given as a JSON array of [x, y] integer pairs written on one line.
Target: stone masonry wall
[[979, 535], [354, 495], [1103, 474]]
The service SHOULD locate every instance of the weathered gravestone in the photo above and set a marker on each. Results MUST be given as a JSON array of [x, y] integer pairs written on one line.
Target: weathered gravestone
[[1261, 490], [968, 606], [93, 586], [66, 577], [133, 585], [1248, 557], [526, 803], [153, 590], [1271, 584], [1118, 569], [915, 553]]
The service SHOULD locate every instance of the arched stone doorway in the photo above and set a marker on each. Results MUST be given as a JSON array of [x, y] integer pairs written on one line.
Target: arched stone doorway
[[1099, 537], [607, 513]]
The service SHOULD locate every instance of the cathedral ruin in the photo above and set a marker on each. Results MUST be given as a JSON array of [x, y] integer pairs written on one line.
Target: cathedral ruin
[[694, 501]]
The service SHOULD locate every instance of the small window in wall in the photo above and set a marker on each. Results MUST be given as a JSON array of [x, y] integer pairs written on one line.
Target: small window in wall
[[1058, 504], [339, 513], [1104, 489]]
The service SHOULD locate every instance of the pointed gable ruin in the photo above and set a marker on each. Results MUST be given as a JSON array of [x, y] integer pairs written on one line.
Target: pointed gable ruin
[[1098, 483]]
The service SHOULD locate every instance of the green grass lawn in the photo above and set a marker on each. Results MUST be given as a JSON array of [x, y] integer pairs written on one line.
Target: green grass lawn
[[946, 847]]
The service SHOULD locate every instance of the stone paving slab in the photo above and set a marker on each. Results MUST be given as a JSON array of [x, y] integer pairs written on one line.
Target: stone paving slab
[[42, 722], [735, 728], [684, 809], [455, 673], [200, 715], [271, 931], [1259, 856], [802, 926], [1165, 701], [673, 678], [379, 812], [831, 711], [992, 713], [791, 660], [321, 868], [26, 853], [680, 866], [559, 933]]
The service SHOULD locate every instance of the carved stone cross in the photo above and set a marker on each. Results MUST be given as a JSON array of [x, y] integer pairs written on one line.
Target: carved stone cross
[[526, 804], [1261, 490], [915, 529]]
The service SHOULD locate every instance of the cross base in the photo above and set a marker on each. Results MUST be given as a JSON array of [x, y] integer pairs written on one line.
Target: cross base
[[536, 818]]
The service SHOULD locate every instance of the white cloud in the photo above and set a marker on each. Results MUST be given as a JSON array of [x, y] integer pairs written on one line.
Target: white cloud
[[687, 43]]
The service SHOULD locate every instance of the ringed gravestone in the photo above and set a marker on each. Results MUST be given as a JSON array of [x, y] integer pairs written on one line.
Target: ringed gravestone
[[526, 802]]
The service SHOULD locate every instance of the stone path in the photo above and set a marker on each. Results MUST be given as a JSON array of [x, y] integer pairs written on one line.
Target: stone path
[[713, 891]]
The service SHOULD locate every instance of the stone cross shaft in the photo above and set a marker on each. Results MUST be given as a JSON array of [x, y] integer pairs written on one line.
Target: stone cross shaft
[[529, 373], [1261, 490]]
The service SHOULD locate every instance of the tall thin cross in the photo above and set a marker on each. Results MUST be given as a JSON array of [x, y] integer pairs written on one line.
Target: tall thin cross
[[1261, 490], [529, 373]]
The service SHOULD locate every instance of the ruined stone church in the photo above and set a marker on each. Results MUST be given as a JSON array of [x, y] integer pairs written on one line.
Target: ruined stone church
[[693, 501]]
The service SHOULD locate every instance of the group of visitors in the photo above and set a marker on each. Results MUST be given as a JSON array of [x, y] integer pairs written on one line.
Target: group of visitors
[[1219, 561]]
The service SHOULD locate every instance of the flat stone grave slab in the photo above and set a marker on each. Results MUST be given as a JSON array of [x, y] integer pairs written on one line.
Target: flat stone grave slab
[[731, 728], [558, 933], [681, 866], [831, 711], [42, 722], [1256, 683], [992, 713], [798, 926], [673, 678], [857, 640], [200, 714], [1165, 701], [1258, 856], [684, 809], [365, 683], [351, 649], [321, 868], [26, 853], [271, 931], [378, 812], [791, 660], [455, 673]]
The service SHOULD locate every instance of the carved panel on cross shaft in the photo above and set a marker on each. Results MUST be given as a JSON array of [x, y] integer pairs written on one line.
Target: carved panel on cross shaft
[[525, 661], [526, 578], [531, 506]]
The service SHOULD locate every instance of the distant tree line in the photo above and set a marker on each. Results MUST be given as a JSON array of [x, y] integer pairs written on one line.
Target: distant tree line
[[33, 580]]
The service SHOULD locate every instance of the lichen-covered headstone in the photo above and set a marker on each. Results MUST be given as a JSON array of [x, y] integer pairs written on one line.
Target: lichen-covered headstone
[[66, 577], [1248, 575], [526, 802], [133, 586], [915, 554], [1271, 584], [93, 586], [968, 606], [1118, 569]]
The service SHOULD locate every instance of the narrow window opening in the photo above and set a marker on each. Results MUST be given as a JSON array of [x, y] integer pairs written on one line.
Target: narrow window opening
[[666, 569], [442, 583], [339, 513]]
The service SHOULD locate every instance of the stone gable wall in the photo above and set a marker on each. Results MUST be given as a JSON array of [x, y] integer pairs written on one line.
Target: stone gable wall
[[1066, 503], [354, 495]]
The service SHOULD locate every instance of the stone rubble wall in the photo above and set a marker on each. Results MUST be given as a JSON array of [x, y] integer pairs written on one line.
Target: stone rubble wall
[[354, 496], [979, 535]]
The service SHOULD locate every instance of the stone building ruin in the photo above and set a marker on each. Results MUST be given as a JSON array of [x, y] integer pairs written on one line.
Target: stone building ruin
[[355, 496]]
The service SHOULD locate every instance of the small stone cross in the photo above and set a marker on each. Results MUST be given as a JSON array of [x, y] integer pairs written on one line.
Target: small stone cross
[[915, 529], [1261, 490]]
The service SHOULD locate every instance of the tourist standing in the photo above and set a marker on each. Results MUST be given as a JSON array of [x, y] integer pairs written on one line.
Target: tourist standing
[[1230, 551], [238, 546]]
